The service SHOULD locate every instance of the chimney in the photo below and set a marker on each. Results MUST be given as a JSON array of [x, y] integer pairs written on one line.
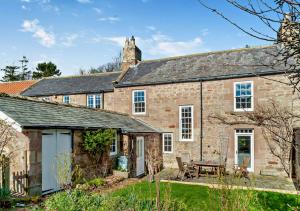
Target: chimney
[[132, 55]]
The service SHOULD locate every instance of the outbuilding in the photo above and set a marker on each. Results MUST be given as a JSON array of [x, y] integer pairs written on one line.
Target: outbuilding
[[44, 130]]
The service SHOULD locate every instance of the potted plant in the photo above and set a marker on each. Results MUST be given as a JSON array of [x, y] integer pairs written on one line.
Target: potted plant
[[121, 173]]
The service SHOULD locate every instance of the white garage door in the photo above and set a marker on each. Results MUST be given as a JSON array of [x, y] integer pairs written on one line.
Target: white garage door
[[56, 159]]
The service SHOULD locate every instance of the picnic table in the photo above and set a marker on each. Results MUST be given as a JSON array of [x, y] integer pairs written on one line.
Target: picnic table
[[219, 167]]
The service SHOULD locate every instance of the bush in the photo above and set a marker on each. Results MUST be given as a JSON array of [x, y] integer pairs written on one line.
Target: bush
[[5, 194], [73, 201], [5, 198], [95, 182]]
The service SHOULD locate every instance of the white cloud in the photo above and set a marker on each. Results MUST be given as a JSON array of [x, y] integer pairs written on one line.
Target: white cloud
[[151, 28], [24, 7], [97, 10], [46, 39], [69, 40], [159, 44], [27, 1], [84, 1], [110, 19]]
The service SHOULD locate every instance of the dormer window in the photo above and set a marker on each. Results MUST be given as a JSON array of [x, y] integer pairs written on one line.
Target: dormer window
[[243, 96], [139, 102]]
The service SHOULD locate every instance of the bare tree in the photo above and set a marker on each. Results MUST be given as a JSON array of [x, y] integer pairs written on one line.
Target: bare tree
[[281, 19], [276, 123], [112, 66], [7, 138]]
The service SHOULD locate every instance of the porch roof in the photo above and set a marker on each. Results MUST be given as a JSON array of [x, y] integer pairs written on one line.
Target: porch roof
[[30, 113]]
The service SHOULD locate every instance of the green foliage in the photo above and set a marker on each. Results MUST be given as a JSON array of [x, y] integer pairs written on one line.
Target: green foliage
[[98, 142], [10, 73], [204, 198], [133, 202], [45, 69], [73, 201], [97, 182], [5, 194]]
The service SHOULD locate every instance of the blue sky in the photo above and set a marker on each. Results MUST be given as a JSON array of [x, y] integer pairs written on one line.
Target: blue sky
[[78, 34]]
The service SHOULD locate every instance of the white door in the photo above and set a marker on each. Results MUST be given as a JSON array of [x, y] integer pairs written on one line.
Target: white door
[[244, 147], [140, 156], [56, 147]]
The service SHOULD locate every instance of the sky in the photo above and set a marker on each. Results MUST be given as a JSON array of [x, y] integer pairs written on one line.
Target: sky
[[76, 34]]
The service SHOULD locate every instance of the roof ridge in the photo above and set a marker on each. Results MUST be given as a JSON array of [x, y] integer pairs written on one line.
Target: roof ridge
[[10, 82], [79, 76], [59, 104], [207, 53]]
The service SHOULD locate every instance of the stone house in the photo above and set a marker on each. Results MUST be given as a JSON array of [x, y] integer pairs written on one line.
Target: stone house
[[178, 96], [45, 132], [93, 91]]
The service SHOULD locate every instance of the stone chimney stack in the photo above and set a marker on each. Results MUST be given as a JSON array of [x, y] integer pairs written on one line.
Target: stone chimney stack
[[132, 55]]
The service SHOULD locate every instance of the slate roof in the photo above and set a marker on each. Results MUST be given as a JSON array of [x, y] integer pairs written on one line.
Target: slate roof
[[16, 87], [204, 66], [38, 114], [95, 83]]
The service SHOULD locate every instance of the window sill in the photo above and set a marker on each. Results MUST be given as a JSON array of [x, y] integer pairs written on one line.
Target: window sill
[[186, 140], [168, 152], [139, 114], [243, 110]]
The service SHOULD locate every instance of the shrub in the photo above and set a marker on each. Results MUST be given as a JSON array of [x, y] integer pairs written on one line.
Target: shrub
[[95, 182], [5, 194], [73, 201]]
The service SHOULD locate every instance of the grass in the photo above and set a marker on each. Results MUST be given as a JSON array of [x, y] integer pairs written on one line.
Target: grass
[[199, 197]]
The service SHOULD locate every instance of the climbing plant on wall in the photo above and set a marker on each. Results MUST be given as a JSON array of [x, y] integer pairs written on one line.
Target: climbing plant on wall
[[96, 143]]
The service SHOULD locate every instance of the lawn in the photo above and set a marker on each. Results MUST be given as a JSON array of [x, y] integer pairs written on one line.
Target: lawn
[[203, 198]]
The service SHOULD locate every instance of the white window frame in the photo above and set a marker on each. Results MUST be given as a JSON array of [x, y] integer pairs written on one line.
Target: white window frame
[[180, 125], [172, 143], [252, 96], [133, 105], [116, 144], [251, 134], [94, 100], [64, 99]]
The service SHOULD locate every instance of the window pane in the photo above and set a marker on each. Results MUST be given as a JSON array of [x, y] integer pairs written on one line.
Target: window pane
[[98, 101], [139, 101], [186, 122], [90, 101], [243, 96], [167, 142]]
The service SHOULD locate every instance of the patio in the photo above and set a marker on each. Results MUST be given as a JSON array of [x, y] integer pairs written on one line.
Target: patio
[[256, 181]]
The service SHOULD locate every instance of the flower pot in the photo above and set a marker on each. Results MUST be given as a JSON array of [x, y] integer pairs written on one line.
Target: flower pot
[[123, 174]]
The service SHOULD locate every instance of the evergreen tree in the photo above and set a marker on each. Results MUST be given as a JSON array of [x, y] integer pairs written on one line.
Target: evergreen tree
[[10, 73], [25, 74], [45, 69]]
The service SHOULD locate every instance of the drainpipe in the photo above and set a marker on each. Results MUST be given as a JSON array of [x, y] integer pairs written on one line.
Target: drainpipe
[[102, 99], [201, 121]]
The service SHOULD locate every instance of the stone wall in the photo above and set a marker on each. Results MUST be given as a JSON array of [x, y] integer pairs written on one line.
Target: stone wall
[[34, 161], [81, 99], [162, 112]]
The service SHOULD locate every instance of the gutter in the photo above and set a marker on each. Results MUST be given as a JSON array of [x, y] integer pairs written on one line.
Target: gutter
[[209, 78], [201, 121]]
